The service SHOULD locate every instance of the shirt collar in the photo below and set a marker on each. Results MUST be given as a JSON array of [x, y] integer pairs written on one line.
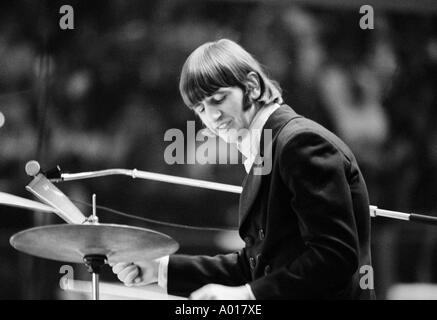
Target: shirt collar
[[249, 145]]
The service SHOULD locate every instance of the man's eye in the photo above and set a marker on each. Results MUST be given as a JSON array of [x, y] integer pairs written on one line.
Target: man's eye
[[218, 99]]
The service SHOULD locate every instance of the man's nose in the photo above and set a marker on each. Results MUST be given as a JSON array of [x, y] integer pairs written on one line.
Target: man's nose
[[213, 113]]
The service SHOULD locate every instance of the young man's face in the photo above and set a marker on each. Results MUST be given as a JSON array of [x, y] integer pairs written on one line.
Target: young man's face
[[223, 113]]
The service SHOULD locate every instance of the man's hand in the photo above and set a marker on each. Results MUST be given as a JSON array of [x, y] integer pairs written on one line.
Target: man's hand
[[138, 273], [220, 292]]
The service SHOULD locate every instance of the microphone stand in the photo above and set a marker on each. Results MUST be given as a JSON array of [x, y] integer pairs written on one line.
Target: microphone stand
[[373, 210], [150, 176]]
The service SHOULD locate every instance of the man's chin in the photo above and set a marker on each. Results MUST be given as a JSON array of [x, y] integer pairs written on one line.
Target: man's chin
[[232, 135], [225, 137]]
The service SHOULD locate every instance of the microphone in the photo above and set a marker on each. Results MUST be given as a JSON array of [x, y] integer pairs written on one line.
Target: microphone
[[32, 168]]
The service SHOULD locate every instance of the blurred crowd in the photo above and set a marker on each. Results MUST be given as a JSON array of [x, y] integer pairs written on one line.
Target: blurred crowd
[[103, 94]]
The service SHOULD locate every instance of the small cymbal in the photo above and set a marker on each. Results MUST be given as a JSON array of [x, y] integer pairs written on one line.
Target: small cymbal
[[72, 242], [15, 201]]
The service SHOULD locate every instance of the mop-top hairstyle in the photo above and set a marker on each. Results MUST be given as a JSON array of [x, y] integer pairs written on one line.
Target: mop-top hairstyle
[[219, 64]]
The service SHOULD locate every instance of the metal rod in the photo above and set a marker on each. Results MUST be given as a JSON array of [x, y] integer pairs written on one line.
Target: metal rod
[[95, 286], [94, 206], [423, 219], [153, 176], [373, 210]]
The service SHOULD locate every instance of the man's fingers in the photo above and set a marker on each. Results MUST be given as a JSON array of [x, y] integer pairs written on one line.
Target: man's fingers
[[195, 294], [120, 266], [123, 274], [130, 277], [200, 294], [208, 292]]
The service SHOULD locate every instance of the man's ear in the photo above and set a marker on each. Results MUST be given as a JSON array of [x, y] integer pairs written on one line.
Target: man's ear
[[253, 85]]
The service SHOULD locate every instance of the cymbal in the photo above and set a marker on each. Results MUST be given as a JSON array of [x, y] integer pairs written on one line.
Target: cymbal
[[72, 242], [15, 201]]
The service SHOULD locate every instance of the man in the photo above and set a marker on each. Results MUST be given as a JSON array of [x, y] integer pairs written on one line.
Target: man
[[305, 220]]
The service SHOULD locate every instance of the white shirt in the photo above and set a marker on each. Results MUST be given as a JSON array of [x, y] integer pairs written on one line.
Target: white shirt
[[249, 147], [250, 144]]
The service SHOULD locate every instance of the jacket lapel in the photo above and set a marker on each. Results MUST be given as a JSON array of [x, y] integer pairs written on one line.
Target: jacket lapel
[[252, 182], [251, 187]]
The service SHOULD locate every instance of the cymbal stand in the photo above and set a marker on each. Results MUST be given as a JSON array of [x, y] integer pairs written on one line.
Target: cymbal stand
[[94, 262]]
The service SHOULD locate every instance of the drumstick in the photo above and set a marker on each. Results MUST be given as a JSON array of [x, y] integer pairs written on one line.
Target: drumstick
[[149, 292], [15, 201]]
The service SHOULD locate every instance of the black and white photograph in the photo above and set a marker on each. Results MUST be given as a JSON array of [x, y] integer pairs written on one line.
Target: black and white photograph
[[234, 150]]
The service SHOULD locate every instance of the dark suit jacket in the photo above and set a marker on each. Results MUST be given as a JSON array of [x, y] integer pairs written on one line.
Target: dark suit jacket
[[306, 225]]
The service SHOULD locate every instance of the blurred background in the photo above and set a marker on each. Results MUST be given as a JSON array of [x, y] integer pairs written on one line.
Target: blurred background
[[103, 95]]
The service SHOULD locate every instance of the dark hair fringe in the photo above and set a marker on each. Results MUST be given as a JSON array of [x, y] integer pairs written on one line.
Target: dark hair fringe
[[197, 82]]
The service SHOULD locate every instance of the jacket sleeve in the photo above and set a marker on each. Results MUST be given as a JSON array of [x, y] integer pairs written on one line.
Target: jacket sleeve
[[188, 273], [316, 174]]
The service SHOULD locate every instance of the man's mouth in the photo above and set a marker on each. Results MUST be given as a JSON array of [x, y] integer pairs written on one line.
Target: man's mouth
[[224, 125]]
